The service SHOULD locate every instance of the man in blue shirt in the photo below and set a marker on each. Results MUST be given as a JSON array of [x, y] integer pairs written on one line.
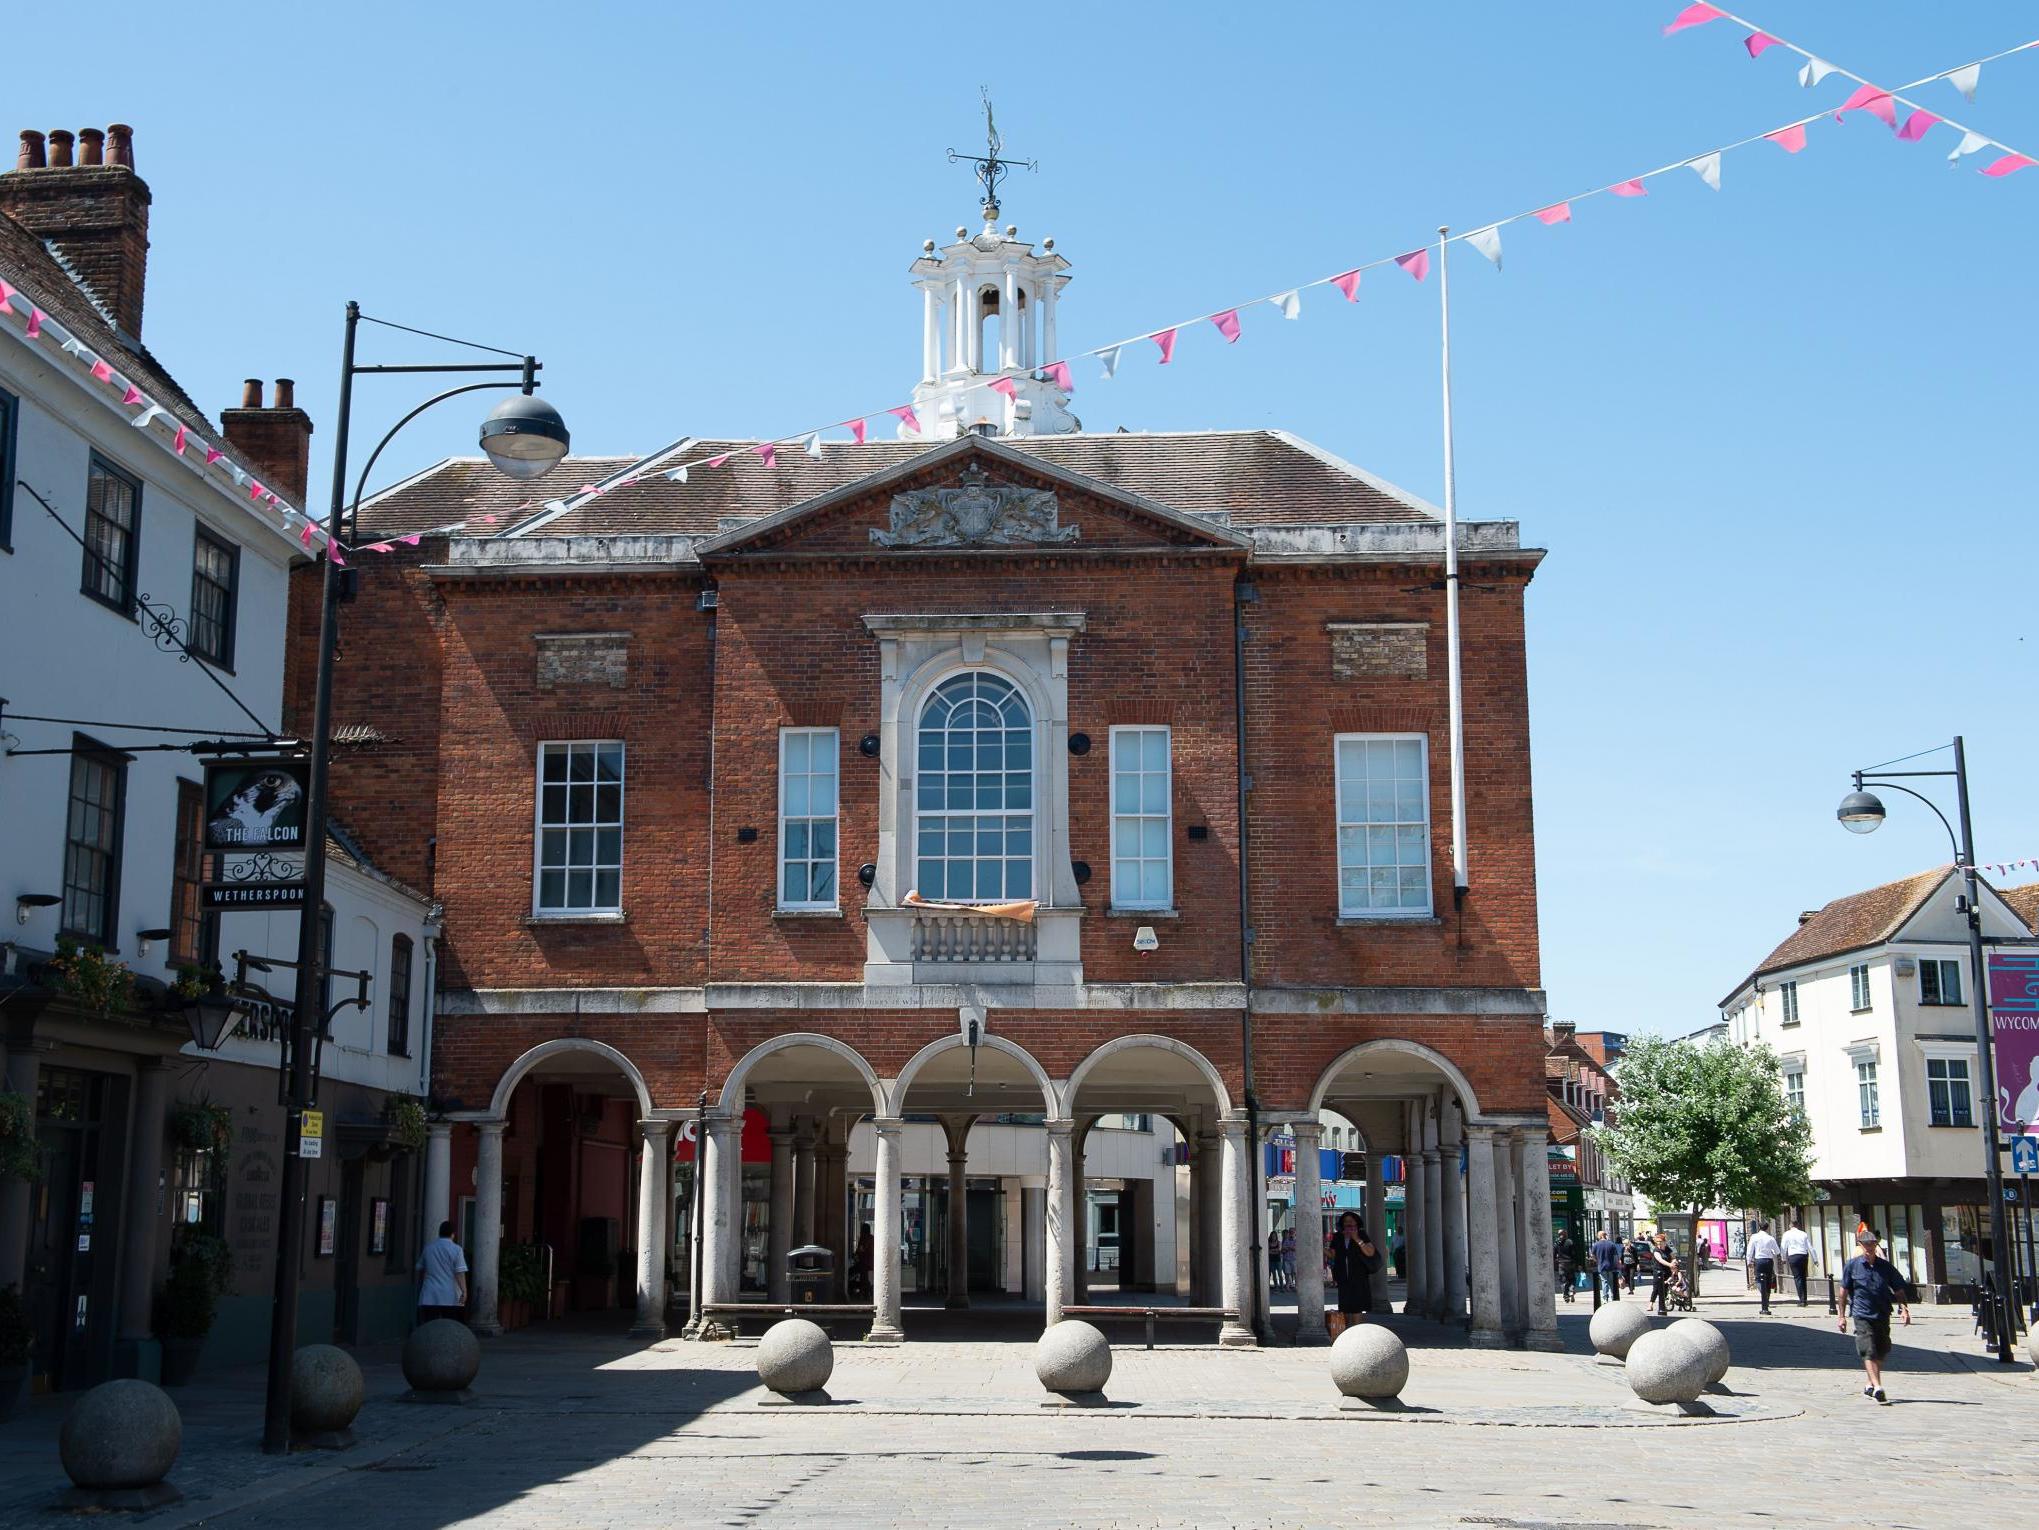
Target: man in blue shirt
[[1606, 1268], [1873, 1286]]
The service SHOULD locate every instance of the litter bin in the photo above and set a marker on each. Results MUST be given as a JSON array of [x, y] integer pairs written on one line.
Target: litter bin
[[810, 1274]]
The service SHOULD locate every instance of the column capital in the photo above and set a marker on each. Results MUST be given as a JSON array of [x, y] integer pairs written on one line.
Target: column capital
[[1311, 1132], [780, 1134], [1058, 1126], [654, 1130], [887, 1126], [439, 1129], [1480, 1132], [1233, 1127], [491, 1128]]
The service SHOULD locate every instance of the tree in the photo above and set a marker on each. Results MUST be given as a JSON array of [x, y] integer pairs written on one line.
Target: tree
[[1708, 1126]]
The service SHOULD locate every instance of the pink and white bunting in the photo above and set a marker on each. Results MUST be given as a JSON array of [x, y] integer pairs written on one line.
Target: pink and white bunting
[[1005, 387], [1557, 212], [1347, 282], [1415, 262], [906, 417], [1165, 339], [857, 428], [1227, 324], [1789, 139], [1693, 16]]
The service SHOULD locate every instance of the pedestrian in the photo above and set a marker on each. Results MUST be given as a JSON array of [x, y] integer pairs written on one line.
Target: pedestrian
[[1274, 1260], [1663, 1270], [443, 1291], [1873, 1285], [1606, 1268], [1572, 1258], [1764, 1252], [862, 1261], [1354, 1260], [1797, 1246], [1631, 1261], [1288, 1259]]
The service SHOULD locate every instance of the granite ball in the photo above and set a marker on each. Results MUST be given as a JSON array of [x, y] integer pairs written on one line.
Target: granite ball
[[325, 1390], [1708, 1340], [1618, 1325], [1369, 1361], [1072, 1356], [1664, 1367], [442, 1356], [795, 1356], [121, 1434]]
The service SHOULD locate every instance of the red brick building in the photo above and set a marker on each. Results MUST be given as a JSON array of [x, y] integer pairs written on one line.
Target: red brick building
[[673, 754]]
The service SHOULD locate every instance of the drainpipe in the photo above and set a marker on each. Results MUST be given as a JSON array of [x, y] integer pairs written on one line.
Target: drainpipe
[[1245, 594], [697, 1320]]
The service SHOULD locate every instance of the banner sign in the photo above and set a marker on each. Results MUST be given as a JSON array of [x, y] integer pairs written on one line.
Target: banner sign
[[256, 804], [2014, 1020]]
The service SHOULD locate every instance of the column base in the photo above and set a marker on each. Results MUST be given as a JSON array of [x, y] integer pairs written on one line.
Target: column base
[[486, 1330], [1311, 1334], [1487, 1338], [1542, 1338], [709, 1331], [1234, 1337], [885, 1333]]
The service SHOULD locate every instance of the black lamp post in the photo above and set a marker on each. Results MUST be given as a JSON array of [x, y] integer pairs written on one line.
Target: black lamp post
[[523, 438], [1861, 812]]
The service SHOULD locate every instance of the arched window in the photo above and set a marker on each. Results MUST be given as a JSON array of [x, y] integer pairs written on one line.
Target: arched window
[[974, 809]]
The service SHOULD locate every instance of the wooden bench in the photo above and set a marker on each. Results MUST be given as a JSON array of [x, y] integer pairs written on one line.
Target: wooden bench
[[818, 1311], [1150, 1315]]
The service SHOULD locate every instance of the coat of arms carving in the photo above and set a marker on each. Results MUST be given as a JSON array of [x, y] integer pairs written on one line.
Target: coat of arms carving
[[980, 513]]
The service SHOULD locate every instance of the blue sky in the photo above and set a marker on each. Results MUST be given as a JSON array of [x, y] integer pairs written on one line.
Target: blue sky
[[1777, 438]]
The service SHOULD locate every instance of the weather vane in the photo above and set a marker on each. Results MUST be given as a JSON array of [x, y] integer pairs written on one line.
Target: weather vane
[[992, 164]]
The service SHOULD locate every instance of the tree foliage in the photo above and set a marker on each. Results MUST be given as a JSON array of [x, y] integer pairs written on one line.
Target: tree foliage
[[1708, 1126]]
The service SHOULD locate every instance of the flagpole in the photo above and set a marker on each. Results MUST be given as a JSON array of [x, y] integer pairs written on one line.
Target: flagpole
[[1457, 724]]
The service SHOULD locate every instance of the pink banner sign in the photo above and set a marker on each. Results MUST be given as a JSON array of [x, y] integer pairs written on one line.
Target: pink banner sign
[[2014, 1020]]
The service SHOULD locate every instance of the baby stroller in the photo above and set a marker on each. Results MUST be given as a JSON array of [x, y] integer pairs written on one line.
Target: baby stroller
[[1678, 1296]]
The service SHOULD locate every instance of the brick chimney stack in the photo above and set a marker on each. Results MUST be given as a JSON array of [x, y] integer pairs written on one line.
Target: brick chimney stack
[[276, 442], [95, 211]]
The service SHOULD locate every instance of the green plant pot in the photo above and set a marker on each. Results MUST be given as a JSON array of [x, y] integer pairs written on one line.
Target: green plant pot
[[180, 1360]]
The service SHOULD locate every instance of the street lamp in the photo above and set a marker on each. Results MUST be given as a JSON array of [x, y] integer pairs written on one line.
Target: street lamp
[[523, 438], [1860, 813]]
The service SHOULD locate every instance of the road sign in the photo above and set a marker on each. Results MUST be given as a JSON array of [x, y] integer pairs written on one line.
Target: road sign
[[311, 1134], [2025, 1155]]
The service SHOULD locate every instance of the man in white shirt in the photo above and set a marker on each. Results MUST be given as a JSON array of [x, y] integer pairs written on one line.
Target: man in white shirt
[[1764, 1252], [1797, 1247], [443, 1291]]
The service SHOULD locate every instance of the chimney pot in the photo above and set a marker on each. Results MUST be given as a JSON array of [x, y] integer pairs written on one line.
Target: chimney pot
[[60, 148], [251, 393], [120, 144], [31, 156], [286, 393], [91, 146]]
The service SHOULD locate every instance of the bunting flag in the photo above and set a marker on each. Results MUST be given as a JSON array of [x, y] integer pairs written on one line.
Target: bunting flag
[[1970, 143], [1756, 42], [1165, 338], [767, 454], [305, 536], [1692, 16], [6, 292], [906, 417], [1965, 79], [212, 455], [133, 395], [255, 489], [1056, 372], [377, 547], [2005, 166], [678, 474], [1348, 283], [1634, 188], [1228, 325], [35, 318], [1416, 262], [1813, 71], [143, 420], [1873, 100], [1005, 387], [716, 462], [1915, 126], [1707, 168], [814, 444], [1790, 139], [1290, 303], [102, 371], [1488, 242], [413, 539], [1109, 359], [1557, 212], [178, 445], [857, 428], [333, 552]]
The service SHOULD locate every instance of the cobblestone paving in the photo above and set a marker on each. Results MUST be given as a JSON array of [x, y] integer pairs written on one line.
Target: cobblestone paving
[[584, 1430]]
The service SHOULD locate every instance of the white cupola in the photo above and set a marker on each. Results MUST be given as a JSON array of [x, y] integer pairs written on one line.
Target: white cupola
[[988, 312]]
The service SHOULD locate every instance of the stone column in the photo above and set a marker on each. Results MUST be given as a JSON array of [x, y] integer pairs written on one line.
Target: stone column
[[1504, 1224], [885, 1327], [654, 1196], [488, 1230], [1310, 1327], [1061, 1264], [803, 1181], [1079, 1213], [1413, 1222], [832, 1203], [1009, 323], [1433, 1217], [931, 335], [1236, 1220], [1483, 1247], [1540, 1319], [957, 1130], [1377, 1221], [24, 1074], [1207, 1188], [1453, 1213], [779, 1227], [437, 1205], [720, 1142], [141, 1214]]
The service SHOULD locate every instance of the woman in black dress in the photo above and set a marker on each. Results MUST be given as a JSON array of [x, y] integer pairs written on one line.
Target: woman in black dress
[[1354, 1259]]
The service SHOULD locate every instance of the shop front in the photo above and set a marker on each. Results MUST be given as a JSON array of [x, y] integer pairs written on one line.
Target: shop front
[[1936, 1230]]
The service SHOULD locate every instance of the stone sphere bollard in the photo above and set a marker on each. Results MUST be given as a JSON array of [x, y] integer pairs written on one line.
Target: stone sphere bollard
[[1664, 1367], [795, 1359], [120, 1440], [1708, 1340], [1616, 1326], [1370, 1364], [441, 1360], [325, 1394], [1073, 1360]]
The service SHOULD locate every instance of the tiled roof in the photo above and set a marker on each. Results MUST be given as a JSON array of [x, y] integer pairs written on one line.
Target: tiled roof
[[1851, 923], [1252, 477], [2024, 902], [25, 260]]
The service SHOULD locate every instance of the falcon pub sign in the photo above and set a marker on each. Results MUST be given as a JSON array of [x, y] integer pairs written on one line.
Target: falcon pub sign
[[255, 833]]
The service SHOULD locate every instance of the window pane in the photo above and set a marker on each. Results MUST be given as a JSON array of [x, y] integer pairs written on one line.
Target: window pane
[[822, 885]]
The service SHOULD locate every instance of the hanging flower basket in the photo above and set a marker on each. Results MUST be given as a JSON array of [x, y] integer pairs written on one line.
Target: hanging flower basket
[[203, 1128], [94, 979], [406, 1120]]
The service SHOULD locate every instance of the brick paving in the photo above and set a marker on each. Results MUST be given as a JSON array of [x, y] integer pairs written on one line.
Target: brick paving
[[585, 1429]]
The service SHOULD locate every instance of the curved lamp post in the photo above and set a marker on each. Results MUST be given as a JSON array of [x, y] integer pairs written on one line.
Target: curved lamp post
[[523, 437], [1861, 812]]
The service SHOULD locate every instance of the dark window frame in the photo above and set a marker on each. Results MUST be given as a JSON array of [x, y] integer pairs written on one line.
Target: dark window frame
[[1940, 1095], [398, 1039], [10, 418], [87, 586], [107, 937], [187, 879], [223, 658], [1939, 966]]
